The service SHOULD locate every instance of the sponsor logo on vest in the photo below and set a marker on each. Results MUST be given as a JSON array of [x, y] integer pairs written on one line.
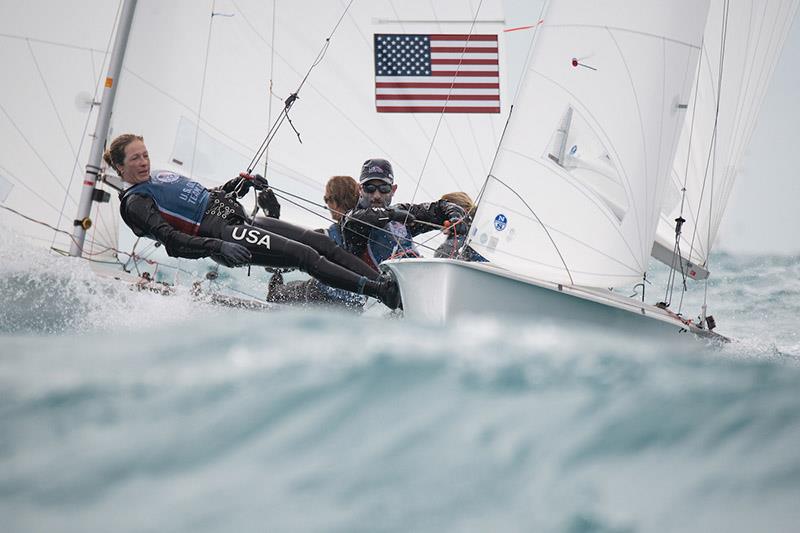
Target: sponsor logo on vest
[[253, 236], [166, 177]]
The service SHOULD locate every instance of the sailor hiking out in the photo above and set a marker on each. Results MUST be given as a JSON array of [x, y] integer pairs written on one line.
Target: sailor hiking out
[[193, 222]]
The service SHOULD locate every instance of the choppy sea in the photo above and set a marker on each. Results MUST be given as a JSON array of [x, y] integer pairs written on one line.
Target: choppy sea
[[134, 412]]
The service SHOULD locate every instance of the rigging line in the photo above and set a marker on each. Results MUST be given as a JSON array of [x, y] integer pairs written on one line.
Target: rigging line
[[523, 77], [677, 245], [50, 97], [441, 114], [555, 246], [269, 100], [24, 183], [217, 130], [189, 109], [271, 71], [467, 115], [327, 219], [57, 230], [52, 43], [711, 159], [285, 196], [633, 205], [479, 198], [398, 161], [711, 199], [322, 95], [97, 84], [293, 97], [33, 149], [203, 85], [762, 82], [713, 143]]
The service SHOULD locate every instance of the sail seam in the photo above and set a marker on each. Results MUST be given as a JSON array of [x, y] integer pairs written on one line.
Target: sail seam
[[633, 204], [627, 30], [623, 175]]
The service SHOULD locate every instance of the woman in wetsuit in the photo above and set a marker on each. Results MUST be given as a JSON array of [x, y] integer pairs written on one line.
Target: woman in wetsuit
[[192, 222]]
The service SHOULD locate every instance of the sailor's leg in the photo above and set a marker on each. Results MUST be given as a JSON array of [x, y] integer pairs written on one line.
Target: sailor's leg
[[271, 249], [320, 242]]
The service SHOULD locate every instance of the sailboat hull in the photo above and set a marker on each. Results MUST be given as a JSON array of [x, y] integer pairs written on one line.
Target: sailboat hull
[[442, 290]]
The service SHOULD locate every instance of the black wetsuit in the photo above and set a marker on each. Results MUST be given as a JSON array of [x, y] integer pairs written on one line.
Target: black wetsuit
[[271, 242]]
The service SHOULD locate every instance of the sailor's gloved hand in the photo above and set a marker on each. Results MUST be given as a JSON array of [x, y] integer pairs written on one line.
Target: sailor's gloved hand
[[457, 221], [400, 215], [456, 226], [239, 185], [269, 203], [372, 216], [243, 182], [232, 255], [259, 182]]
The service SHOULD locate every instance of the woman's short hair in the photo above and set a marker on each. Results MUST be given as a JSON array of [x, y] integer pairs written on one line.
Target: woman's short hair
[[115, 154], [343, 191]]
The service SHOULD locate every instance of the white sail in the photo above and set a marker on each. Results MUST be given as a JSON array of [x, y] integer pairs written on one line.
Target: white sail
[[620, 73], [184, 68], [53, 56], [742, 42]]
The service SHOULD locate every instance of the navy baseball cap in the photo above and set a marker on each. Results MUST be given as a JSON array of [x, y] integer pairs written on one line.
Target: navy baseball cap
[[376, 169]]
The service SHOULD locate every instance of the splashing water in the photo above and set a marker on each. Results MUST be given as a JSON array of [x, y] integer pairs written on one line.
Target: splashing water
[[139, 412]]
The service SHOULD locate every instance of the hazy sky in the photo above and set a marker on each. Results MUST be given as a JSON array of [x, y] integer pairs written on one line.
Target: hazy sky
[[763, 214]]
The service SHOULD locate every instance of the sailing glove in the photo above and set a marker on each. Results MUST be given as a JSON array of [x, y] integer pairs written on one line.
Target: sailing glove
[[259, 182], [457, 226], [232, 255], [241, 184], [379, 216], [401, 215], [457, 219], [269, 203], [372, 216]]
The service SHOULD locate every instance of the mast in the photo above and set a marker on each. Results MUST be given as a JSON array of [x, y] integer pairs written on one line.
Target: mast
[[82, 221]]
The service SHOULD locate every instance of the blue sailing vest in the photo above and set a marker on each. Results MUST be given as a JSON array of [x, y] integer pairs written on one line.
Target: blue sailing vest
[[393, 240], [350, 299], [181, 201]]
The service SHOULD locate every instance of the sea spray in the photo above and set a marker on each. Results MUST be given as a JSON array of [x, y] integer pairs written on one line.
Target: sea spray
[[154, 413]]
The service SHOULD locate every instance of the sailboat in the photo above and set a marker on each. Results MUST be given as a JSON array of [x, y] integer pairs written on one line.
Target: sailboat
[[203, 82], [576, 194], [623, 143]]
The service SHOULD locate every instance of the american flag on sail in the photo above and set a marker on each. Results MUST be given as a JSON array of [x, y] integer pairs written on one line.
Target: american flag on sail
[[436, 73]]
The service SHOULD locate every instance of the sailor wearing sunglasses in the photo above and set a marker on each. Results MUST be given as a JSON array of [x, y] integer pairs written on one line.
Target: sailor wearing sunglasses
[[376, 230]]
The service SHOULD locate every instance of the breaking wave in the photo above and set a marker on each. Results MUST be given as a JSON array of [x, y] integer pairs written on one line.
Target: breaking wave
[[138, 412]]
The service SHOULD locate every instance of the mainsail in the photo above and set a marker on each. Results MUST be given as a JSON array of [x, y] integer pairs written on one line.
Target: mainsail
[[741, 46], [575, 193]]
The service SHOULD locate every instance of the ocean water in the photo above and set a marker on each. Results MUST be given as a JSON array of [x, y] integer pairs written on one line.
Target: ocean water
[[125, 411]]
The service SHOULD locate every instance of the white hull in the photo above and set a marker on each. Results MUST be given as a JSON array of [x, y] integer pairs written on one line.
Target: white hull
[[440, 290]]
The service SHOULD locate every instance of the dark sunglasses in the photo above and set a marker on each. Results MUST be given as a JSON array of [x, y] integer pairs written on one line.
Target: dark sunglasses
[[370, 188]]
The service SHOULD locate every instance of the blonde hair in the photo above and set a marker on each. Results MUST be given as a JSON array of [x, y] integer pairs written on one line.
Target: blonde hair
[[115, 154], [462, 200]]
